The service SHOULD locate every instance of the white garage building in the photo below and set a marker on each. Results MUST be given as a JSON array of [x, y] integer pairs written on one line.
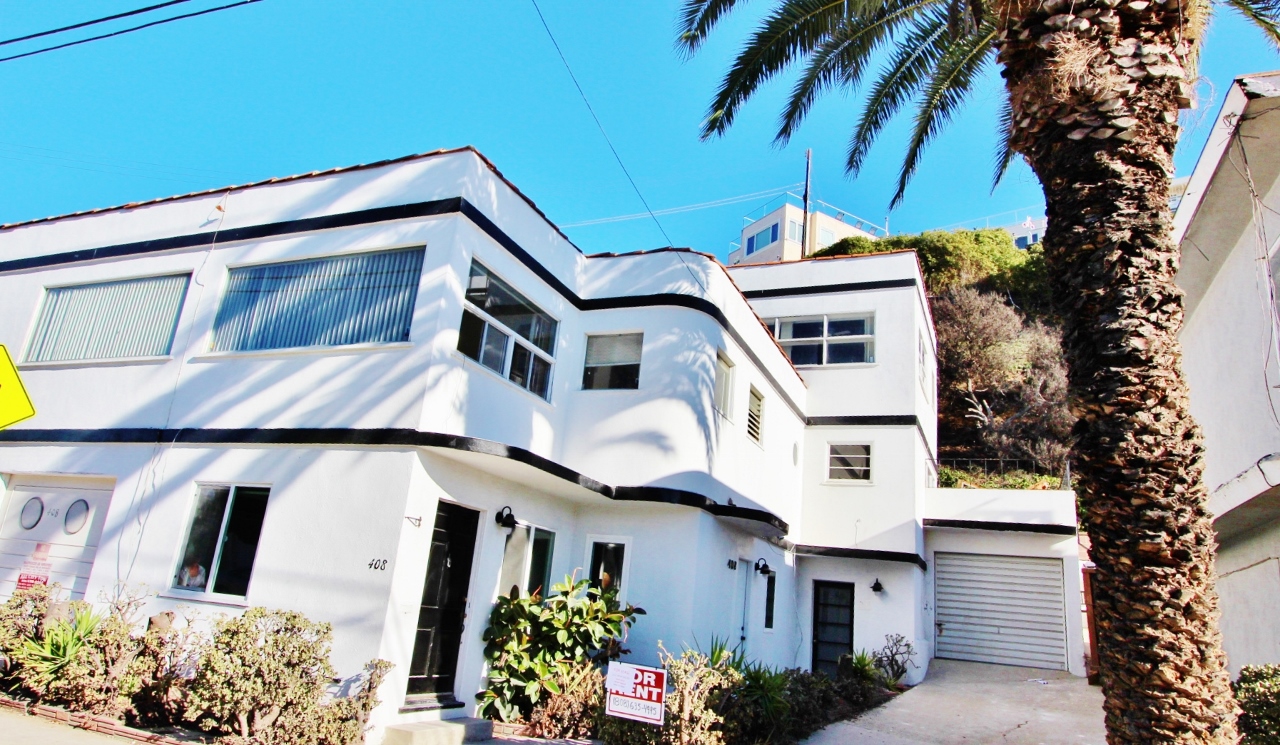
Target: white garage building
[[381, 395]]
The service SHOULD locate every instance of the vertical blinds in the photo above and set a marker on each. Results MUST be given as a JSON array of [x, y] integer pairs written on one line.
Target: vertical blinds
[[109, 320], [354, 299]]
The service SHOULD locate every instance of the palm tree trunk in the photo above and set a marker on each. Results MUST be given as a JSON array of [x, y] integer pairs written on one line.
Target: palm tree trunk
[[1095, 88]]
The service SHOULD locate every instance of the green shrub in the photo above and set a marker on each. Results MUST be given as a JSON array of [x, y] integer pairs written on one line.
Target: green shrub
[[20, 619], [698, 688], [45, 659], [531, 643], [574, 712], [166, 663], [1258, 693], [955, 478]]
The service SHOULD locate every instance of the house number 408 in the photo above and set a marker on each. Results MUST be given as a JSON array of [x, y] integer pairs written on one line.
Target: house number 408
[[378, 564]]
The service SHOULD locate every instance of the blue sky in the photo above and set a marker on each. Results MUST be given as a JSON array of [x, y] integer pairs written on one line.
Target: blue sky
[[289, 86]]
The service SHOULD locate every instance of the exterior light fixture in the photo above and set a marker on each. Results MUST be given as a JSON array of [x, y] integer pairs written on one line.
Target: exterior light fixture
[[876, 586], [506, 518], [762, 567]]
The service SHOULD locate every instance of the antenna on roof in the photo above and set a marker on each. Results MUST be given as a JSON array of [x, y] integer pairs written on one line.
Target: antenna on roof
[[804, 231]]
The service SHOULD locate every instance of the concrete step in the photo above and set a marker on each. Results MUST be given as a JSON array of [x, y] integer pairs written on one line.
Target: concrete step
[[441, 732]]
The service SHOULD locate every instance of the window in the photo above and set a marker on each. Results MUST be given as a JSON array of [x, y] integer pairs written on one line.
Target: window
[[825, 237], [613, 361], [795, 231], [762, 239], [222, 540], [755, 416], [109, 320], [526, 560], [770, 593], [724, 385], [926, 377], [849, 462], [506, 333], [607, 564], [826, 340], [362, 298]]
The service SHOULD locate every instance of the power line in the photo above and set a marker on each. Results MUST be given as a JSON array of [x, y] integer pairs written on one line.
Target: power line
[[130, 30], [73, 27], [685, 208], [598, 124]]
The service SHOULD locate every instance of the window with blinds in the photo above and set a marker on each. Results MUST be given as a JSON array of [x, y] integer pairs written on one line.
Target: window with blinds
[[850, 462], [613, 361], [755, 416], [109, 320], [359, 298]]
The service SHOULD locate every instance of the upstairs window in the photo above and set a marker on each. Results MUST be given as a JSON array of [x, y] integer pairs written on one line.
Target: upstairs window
[[849, 463], [109, 320], [613, 361], [222, 540], [506, 333], [762, 239], [795, 231], [825, 237], [723, 385], [826, 340], [364, 298], [755, 416]]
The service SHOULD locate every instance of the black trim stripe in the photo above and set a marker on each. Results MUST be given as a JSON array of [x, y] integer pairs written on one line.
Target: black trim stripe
[[902, 557], [930, 522], [453, 205], [870, 420], [393, 437], [879, 284]]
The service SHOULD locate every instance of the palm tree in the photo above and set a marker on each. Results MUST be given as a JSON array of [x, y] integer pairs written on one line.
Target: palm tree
[[1094, 90]]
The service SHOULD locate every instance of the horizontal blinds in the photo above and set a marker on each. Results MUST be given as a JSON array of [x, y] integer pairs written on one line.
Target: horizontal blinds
[[615, 349], [354, 299], [755, 415], [109, 320]]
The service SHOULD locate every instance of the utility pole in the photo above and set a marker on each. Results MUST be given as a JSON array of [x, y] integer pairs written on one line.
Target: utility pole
[[804, 230]]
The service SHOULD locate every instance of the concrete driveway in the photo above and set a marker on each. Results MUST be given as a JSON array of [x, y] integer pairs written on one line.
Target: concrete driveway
[[971, 703]]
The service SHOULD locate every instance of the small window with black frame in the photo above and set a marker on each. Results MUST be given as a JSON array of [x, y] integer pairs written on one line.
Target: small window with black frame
[[612, 362], [607, 563], [505, 332], [222, 540]]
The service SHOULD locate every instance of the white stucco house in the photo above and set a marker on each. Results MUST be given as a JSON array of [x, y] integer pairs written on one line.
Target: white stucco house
[[382, 395], [1229, 232]]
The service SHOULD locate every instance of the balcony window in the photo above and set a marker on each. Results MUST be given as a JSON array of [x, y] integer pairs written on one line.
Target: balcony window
[[363, 298], [506, 333], [826, 340], [109, 320], [613, 361]]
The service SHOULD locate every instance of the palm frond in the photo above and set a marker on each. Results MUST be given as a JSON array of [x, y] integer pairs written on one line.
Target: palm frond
[[793, 31], [1265, 14], [696, 20], [1004, 156], [915, 55], [949, 86], [843, 57]]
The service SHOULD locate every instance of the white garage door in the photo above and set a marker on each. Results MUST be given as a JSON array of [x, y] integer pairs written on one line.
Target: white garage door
[[1003, 609]]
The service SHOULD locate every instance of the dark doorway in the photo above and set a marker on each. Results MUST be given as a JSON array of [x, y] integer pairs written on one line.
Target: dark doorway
[[832, 625], [444, 605]]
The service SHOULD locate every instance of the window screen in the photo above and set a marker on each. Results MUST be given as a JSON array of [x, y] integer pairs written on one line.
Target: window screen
[[222, 540], [109, 320], [850, 462], [355, 299], [613, 361], [755, 416]]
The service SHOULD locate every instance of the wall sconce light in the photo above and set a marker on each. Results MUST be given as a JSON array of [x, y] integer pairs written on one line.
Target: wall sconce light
[[876, 586], [762, 567], [506, 518]]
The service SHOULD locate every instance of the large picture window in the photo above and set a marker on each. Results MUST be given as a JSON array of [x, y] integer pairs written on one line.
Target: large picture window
[[506, 333], [826, 340], [359, 298], [222, 540], [613, 361], [109, 320]]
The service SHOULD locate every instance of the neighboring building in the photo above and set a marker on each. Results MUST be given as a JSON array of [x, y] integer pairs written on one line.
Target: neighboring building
[[383, 395], [1028, 232], [1227, 226], [776, 231]]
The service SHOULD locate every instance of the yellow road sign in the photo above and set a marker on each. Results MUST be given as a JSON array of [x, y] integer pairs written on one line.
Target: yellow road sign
[[15, 404]]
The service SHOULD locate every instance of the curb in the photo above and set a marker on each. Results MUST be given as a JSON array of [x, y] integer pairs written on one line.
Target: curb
[[88, 722]]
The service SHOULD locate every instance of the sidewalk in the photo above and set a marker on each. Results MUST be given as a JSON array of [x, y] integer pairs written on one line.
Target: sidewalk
[[19, 729]]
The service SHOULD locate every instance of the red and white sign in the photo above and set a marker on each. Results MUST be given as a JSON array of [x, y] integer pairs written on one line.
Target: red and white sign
[[35, 571], [636, 692]]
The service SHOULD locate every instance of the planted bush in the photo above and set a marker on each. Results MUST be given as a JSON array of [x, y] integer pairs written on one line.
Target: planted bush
[[1258, 693], [532, 643]]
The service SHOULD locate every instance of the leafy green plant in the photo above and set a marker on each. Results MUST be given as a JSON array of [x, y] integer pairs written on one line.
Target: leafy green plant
[[43, 660], [859, 666], [531, 643], [20, 619], [1258, 693], [955, 478], [165, 664]]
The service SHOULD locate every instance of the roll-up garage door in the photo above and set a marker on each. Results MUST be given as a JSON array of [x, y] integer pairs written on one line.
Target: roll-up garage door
[[1003, 609]]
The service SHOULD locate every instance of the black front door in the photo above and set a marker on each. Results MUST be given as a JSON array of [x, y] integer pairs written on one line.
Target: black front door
[[832, 625], [444, 603]]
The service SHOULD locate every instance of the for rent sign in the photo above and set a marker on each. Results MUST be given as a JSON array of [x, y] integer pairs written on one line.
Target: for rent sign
[[636, 692]]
